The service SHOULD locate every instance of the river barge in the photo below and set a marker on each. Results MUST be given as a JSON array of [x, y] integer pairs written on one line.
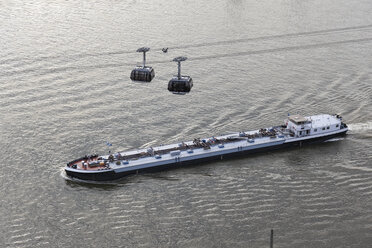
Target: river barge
[[296, 131]]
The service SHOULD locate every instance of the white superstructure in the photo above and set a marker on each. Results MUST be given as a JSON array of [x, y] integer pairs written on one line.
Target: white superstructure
[[313, 125]]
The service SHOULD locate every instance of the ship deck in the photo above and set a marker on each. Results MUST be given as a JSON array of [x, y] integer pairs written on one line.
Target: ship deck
[[185, 150], [92, 164]]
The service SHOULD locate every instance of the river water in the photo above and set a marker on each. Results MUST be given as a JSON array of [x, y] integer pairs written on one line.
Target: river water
[[65, 91]]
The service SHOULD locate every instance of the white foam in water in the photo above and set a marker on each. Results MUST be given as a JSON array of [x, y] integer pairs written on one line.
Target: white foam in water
[[334, 139], [360, 126]]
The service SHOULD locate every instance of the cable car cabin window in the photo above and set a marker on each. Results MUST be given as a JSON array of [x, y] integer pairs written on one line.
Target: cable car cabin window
[[140, 74], [180, 85]]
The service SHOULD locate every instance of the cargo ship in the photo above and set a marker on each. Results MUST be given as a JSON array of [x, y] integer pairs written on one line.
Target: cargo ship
[[297, 131]]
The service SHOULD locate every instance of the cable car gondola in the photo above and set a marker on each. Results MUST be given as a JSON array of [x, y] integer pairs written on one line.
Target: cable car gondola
[[180, 84], [143, 73]]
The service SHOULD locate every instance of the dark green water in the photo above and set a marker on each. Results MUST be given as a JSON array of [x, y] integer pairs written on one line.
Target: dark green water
[[65, 91]]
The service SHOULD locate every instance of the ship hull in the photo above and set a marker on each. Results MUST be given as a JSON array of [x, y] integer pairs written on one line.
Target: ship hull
[[107, 175]]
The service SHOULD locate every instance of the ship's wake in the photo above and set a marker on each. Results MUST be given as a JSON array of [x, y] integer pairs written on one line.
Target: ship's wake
[[334, 139], [360, 127]]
